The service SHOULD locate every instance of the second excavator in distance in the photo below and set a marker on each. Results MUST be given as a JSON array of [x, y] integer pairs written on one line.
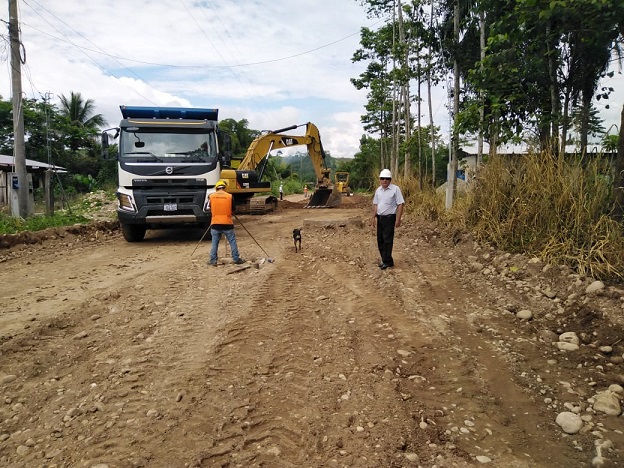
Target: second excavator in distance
[[245, 182]]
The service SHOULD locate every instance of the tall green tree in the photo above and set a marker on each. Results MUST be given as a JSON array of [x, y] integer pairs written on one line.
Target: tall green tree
[[378, 119], [79, 124], [241, 134]]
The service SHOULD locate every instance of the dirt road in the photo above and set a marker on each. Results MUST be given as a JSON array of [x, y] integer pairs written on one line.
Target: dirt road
[[140, 355]]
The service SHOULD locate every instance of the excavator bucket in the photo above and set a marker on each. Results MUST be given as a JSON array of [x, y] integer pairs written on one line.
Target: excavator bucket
[[324, 198]]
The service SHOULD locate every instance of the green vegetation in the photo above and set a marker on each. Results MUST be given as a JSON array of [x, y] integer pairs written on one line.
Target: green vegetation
[[66, 136], [79, 209], [522, 72], [13, 225]]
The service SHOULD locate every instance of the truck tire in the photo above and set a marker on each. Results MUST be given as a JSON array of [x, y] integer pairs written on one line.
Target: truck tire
[[133, 232]]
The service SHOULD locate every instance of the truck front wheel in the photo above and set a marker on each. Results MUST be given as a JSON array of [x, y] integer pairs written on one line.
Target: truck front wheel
[[133, 232]]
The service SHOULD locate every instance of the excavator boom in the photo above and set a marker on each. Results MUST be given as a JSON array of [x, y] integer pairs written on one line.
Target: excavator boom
[[245, 181]]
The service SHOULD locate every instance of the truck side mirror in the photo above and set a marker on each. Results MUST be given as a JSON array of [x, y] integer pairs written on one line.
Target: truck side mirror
[[105, 145], [105, 138]]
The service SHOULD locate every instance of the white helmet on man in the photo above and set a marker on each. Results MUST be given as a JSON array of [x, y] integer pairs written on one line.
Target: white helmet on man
[[385, 174]]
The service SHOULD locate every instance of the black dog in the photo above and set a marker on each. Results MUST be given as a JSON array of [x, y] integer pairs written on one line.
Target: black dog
[[297, 239]]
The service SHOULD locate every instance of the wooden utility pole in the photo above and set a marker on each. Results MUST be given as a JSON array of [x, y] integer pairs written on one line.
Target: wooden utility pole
[[451, 174], [19, 149]]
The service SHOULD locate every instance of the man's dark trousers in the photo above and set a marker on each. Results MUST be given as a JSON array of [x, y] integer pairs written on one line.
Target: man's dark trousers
[[385, 237]]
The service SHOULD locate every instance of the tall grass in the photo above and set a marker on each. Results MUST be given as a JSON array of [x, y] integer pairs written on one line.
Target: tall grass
[[422, 203], [549, 207]]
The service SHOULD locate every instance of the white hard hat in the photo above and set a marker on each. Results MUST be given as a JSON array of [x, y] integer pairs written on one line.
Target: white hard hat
[[386, 174]]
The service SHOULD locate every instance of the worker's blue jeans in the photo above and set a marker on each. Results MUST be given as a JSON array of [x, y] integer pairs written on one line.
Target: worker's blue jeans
[[216, 237]]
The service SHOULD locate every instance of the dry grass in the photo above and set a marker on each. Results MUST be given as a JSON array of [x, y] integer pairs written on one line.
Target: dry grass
[[424, 204], [537, 205], [547, 207]]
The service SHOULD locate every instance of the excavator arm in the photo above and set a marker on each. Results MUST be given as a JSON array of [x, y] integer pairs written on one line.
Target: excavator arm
[[258, 151], [257, 155]]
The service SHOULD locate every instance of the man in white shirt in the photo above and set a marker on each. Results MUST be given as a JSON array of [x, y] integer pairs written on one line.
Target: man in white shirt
[[388, 205]]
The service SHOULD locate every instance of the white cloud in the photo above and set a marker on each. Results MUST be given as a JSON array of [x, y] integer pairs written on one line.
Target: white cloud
[[273, 62]]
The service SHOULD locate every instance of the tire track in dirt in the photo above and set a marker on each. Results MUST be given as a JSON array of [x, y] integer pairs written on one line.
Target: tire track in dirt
[[131, 382], [296, 367]]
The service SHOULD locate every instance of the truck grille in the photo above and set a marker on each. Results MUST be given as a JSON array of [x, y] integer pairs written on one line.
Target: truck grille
[[169, 199], [170, 213]]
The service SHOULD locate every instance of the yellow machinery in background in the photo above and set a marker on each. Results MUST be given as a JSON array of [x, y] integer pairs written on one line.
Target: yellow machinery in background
[[252, 195], [341, 180]]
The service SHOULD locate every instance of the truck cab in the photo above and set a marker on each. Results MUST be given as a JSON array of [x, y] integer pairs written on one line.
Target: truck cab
[[169, 160]]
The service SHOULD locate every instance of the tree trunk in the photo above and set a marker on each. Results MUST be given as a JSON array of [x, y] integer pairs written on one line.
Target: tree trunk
[[405, 93], [430, 103], [618, 183], [481, 99], [394, 165], [421, 180], [565, 123], [554, 94], [586, 98], [451, 175], [405, 98]]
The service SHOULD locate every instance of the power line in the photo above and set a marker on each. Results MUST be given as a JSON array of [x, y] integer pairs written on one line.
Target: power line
[[81, 49], [229, 68], [199, 67]]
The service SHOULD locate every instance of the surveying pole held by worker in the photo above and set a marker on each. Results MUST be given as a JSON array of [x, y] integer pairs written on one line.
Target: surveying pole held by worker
[[221, 207], [388, 205]]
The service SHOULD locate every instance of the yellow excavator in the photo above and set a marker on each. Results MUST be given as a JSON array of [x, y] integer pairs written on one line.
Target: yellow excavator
[[342, 182], [245, 182]]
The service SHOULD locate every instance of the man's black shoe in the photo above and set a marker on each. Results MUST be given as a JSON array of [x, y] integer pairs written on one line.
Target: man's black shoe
[[383, 266]]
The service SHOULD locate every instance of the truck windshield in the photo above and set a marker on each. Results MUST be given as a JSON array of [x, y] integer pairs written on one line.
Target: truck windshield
[[154, 145]]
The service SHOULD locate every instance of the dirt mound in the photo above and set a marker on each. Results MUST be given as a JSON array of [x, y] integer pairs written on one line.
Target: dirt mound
[[37, 237]]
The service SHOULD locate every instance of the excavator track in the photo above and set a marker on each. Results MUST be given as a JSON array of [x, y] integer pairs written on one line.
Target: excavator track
[[257, 205]]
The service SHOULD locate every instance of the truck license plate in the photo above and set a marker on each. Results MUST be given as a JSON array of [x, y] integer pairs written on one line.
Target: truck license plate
[[171, 206]]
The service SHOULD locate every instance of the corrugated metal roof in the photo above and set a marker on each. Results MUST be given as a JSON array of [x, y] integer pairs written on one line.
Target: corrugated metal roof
[[9, 161]]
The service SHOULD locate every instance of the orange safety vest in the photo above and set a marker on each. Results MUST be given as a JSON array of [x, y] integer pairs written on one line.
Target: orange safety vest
[[221, 208]]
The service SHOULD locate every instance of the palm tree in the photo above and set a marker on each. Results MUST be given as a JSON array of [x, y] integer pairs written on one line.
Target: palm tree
[[81, 125]]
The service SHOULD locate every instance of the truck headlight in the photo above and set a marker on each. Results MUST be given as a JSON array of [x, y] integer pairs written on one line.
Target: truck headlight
[[125, 202], [207, 201]]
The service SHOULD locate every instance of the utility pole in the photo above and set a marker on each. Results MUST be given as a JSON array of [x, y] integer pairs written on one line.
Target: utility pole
[[19, 148], [451, 175], [49, 175], [450, 187]]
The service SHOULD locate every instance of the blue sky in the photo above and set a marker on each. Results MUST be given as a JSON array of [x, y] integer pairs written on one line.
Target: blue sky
[[273, 62]]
